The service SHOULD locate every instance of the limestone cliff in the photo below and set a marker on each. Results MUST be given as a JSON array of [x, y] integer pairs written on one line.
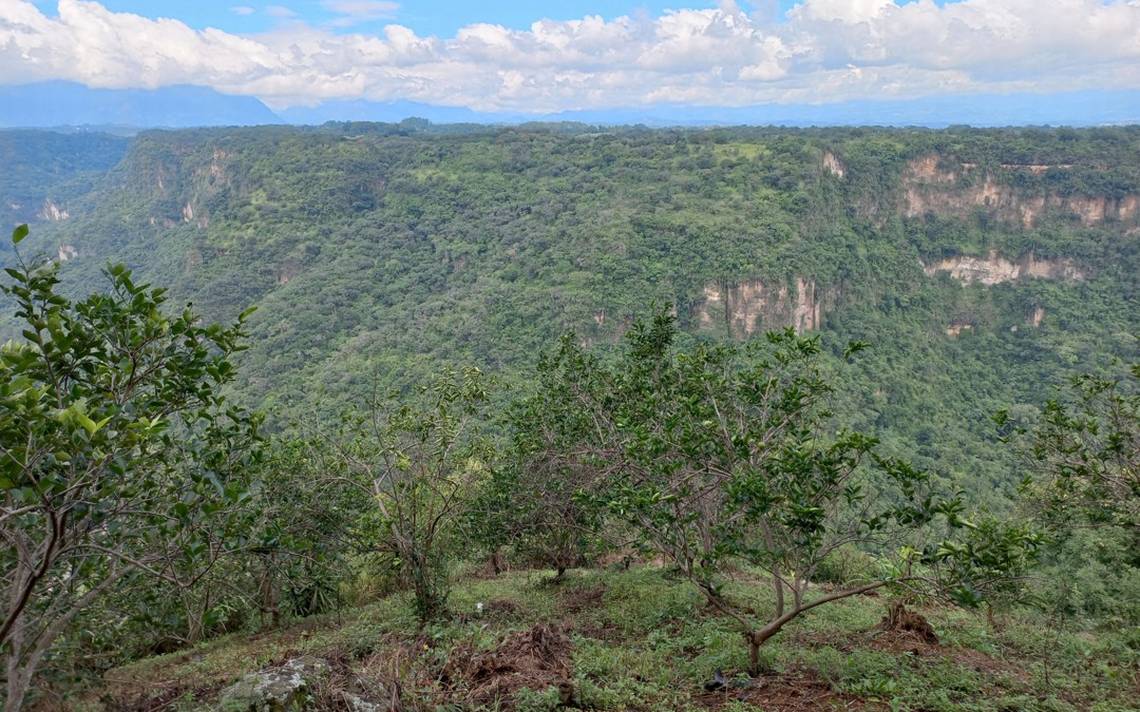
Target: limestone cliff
[[752, 306], [995, 269], [940, 186], [52, 212]]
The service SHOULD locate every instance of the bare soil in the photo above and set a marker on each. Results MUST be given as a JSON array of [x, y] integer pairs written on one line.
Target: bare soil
[[536, 658], [791, 691]]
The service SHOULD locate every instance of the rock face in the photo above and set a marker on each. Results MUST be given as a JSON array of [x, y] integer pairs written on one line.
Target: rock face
[[53, 213], [833, 165], [935, 185], [995, 269], [288, 688], [956, 328], [752, 306]]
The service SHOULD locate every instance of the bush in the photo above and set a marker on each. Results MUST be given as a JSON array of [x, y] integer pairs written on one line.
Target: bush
[[846, 565]]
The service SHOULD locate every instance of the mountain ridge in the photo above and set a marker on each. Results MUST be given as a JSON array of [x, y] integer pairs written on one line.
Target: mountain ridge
[[975, 261], [57, 104]]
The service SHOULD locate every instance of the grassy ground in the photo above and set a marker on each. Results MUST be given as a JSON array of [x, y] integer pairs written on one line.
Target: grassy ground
[[639, 640]]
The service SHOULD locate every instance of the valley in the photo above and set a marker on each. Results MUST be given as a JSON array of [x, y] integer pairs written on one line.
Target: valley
[[558, 416]]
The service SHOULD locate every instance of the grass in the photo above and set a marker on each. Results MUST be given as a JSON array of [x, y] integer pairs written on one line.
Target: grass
[[640, 640]]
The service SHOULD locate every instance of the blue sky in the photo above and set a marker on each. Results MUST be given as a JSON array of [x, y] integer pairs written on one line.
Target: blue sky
[[493, 55], [428, 17]]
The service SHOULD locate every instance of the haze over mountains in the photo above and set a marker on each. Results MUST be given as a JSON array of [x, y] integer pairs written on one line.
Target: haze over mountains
[[64, 104]]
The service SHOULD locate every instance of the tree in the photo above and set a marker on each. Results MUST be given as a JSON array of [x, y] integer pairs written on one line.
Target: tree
[[1084, 453], [1082, 485], [541, 487], [722, 453], [418, 464], [116, 449]]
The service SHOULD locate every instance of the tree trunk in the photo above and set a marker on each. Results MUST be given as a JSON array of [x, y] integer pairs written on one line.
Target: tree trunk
[[429, 597], [17, 689], [17, 678], [753, 656], [756, 638]]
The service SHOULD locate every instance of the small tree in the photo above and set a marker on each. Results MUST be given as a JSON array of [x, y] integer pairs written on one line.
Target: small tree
[[542, 489], [723, 453], [419, 464], [115, 453], [1084, 453], [1082, 483]]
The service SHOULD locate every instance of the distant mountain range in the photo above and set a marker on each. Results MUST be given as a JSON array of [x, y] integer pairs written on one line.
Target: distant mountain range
[[56, 104], [61, 104]]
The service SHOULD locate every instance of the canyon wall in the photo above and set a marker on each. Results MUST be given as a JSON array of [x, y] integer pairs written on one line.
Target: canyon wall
[[937, 185], [752, 306]]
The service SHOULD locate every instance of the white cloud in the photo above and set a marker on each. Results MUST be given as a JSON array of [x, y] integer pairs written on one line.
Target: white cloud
[[824, 50], [846, 11], [242, 10], [280, 11], [355, 11]]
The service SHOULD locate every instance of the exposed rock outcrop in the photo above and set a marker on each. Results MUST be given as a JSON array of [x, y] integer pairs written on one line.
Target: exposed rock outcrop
[[833, 165], [53, 213], [288, 688], [216, 169], [995, 269], [752, 306], [935, 185]]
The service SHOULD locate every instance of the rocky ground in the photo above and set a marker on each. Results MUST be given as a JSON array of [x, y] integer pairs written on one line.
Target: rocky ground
[[628, 640]]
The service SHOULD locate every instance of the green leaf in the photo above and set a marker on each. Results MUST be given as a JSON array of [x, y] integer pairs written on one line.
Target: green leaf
[[19, 234], [88, 424]]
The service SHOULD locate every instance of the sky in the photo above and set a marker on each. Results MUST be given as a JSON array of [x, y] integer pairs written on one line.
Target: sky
[[497, 55]]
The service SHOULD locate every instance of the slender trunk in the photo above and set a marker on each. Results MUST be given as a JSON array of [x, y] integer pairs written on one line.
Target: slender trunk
[[269, 604], [17, 689], [24, 584], [753, 656], [991, 618], [779, 586], [756, 638], [15, 678], [23, 663], [429, 596]]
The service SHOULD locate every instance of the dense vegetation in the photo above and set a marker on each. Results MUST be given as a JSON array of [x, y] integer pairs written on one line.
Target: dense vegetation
[[42, 168], [378, 253], [545, 346]]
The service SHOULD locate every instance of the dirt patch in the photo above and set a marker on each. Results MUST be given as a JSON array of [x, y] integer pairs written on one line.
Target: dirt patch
[[536, 659], [903, 642], [500, 608], [988, 665], [900, 620], [580, 599], [155, 696], [497, 610], [792, 691]]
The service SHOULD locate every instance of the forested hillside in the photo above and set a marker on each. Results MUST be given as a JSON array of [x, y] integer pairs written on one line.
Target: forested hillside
[[740, 391], [983, 266], [43, 171]]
